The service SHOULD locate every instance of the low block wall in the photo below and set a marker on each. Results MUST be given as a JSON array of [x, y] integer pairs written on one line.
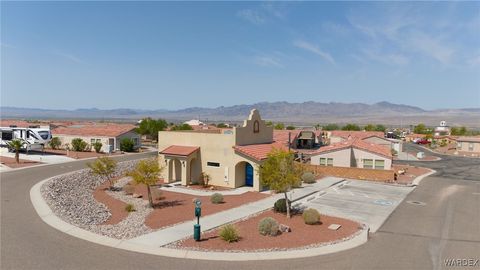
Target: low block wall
[[352, 173]]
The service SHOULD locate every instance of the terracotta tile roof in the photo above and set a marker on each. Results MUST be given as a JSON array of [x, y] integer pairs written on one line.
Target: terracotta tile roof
[[282, 135], [356, 134], [356, 143], [94, 129], [20, 123], [178, 150], [259, 152]]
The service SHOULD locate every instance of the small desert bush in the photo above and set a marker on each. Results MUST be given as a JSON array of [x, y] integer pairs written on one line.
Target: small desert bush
[[129, 189], [308, 178], [129, 208], [79, 145], [311, 216], [229, 233], [216, 198], [156, 194], [97, 146], [280, 206], [268, 226]]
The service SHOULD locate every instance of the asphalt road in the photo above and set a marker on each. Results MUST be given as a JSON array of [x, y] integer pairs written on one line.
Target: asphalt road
[[414, 237]]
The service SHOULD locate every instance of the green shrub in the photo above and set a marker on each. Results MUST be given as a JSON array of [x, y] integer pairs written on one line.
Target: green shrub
[[308, 178], [97, 146], [280, 206], [79, 145], [229, 233], [129, 208], [127, 145], [55, 143], [129, 189], [216, 198], [268, 226], [311, 216]]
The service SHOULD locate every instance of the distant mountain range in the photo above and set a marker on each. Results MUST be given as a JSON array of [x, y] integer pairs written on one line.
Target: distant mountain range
[[299, 113]]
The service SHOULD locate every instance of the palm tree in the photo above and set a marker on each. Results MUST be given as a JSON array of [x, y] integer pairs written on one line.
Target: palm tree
[[16, 145]]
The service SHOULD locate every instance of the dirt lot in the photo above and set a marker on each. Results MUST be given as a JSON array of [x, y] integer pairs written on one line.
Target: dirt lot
[[78, 155], [12, 163], [302, 235]]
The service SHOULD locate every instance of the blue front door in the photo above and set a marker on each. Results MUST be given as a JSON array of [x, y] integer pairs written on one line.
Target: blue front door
[[248, 175]]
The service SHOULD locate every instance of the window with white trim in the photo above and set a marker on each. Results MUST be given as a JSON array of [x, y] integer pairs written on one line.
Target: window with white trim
[[330, 162], [368, 163], [470, 147], [379, 164], [213, 164]]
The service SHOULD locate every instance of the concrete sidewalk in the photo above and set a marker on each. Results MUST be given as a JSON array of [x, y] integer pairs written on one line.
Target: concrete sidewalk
[[185, 229], [195, 192]]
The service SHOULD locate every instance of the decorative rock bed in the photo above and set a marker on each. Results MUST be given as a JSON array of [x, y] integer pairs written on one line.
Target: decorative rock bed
[[70, 197]]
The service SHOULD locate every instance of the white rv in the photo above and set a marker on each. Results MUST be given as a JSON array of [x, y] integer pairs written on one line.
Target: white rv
[[34, 138]]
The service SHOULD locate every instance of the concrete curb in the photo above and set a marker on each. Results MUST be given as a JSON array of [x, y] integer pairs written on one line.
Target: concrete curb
[[47, 215], [65, 162], [417, 180]]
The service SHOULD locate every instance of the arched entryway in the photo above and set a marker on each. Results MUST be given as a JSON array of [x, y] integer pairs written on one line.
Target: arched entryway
[[244, 174], [175, 170]]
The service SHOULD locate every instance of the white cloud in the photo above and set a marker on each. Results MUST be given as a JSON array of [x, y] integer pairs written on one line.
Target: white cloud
[[429, 46], [314, 49], [266, 61], [70, 57], [395, 59], [252, 16]]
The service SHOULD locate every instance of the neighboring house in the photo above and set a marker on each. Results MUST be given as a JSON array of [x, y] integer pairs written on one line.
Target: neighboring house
[[442, 129], [229, 156], [354, 152], [110, 135], [470, 145], [336, 136], [194, 122]]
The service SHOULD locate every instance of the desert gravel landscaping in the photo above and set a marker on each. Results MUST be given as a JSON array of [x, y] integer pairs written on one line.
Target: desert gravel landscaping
[[302, 236]]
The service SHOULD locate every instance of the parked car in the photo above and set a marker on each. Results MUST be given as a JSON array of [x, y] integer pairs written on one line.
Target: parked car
[[422, 141]]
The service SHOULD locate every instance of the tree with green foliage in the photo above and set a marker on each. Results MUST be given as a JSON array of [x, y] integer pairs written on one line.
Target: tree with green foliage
[[127, 145], [151, 127], [420, 129], [147, 172], [269, 123], [279, 126], [290, 127], [222, 125], [458, 131], [79, 145], [330, 127], [369, 127], [104, 167], [381, 128], [55, 143], [182, 127], [280, 173], [351, 127], [16, 145]]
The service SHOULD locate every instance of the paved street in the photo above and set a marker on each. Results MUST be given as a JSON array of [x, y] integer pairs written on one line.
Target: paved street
[[413, 237]]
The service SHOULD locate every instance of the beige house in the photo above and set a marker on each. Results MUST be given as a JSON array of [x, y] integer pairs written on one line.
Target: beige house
[[468, 145], [229, 156], [354, 152], [110, 135]]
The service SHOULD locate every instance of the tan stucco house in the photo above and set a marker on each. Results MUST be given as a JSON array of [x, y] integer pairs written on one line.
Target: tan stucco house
[[354, 152], [229, 156], [109, 134], [468, 145]]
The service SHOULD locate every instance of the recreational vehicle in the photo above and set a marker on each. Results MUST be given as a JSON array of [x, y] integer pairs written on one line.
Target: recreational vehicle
[[34, 138]]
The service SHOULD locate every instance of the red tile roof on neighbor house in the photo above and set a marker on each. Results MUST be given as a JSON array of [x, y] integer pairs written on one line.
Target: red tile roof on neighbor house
[[94, 129], [358, 144], [178, 150], [20, 123], [469, 139], [356, 134], [259, 152]]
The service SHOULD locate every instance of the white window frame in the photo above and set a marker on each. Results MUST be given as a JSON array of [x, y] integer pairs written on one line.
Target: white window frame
[[370, 166], [379, 167]]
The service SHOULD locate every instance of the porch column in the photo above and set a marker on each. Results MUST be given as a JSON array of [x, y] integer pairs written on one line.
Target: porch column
[[184, 164]]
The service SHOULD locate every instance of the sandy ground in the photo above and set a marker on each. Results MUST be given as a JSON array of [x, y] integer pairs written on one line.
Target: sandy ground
[[78, 155], [411, 173], [302, 235]]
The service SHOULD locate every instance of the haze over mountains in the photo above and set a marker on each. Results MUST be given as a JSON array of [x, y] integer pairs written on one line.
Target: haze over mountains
[[301, 113]]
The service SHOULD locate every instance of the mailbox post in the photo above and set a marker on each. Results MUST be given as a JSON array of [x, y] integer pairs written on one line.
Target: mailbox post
[[198, 213]]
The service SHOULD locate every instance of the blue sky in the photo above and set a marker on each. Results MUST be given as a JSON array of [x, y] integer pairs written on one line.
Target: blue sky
[[171, 55]]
